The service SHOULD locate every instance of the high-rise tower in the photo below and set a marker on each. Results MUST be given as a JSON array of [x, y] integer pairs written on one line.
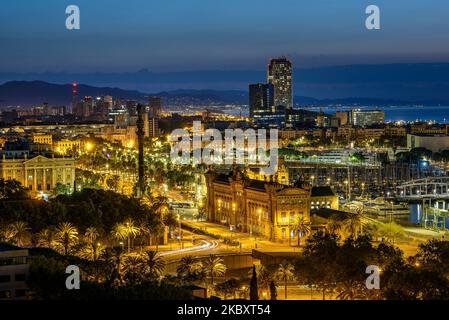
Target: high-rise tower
[[279, 74], [74, 96], [155, 111]]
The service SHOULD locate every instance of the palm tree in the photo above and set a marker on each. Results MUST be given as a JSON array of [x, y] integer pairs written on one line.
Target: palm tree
[[19, 230], [155, 265], [170, 221], [133, 269], [264, 277], [66, 236], [46, 238], [353, 222], [302, 227], [189, 268], [285, 273], [153, 227], [113, 258], [6, 234], [160, 205], [126, 230], [333, 225], [90, 236], [214, 267]]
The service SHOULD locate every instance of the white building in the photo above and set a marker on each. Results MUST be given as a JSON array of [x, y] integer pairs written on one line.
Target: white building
[[436, 143]]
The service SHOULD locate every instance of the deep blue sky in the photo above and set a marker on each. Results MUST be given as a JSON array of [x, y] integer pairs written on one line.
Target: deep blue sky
[[169, 35]]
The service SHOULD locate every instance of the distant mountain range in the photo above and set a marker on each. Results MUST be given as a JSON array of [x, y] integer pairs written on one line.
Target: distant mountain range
[[31, 93], [389, 84]]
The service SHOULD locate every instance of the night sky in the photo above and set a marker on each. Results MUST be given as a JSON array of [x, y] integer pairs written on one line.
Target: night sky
[[177, 35]]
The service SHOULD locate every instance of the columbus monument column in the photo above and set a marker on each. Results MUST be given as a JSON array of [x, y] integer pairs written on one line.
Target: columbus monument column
[[140, 187]]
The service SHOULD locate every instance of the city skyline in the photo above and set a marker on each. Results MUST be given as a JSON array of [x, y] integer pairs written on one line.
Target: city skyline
[[258, 151]]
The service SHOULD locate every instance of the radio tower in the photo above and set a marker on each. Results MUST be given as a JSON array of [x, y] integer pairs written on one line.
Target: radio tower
[[74, 96]]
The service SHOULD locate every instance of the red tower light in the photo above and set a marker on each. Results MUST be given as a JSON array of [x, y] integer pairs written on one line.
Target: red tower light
[[75, 88]]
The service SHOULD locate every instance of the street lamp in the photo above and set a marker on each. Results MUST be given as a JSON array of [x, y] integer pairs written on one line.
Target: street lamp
[[346, 182], [178, 217]]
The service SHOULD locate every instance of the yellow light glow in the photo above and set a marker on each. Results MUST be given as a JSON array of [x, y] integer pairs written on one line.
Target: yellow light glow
[[130, 144]]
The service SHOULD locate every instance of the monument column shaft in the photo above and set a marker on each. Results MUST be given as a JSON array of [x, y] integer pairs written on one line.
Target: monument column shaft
[[140, 137]]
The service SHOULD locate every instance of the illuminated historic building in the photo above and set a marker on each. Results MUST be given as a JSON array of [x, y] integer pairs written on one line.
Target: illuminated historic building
[[66, 146], [281, 176], [39, 173], [323, 197], [43, 139], [266, 209]]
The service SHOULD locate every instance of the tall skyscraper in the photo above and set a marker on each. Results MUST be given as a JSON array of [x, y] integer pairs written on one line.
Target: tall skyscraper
[[261, 98], [279, 74], [154, 114]]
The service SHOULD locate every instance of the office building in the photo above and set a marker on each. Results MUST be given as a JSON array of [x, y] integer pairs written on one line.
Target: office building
[[364, 118], [435, 143], [261, 98], [153, 117]]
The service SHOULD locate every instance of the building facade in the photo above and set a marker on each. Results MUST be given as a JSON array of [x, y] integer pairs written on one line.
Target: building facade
[[39, 173], [260, 208], [14, 270], [435, 143], [66, 146], [364, 118], [43, 139]]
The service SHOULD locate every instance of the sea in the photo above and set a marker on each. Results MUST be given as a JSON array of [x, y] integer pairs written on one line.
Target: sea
[[439, 114]]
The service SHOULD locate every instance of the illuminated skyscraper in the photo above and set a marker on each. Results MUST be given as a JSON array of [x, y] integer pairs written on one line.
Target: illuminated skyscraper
[[261, 98], [279, 74], [153, 119]]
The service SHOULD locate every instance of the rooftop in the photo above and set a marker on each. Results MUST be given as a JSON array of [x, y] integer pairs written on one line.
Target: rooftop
[[323, 191], [327, 213], [9, 247]]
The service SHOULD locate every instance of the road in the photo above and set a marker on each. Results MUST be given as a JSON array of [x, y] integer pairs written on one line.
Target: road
[[206, 246]]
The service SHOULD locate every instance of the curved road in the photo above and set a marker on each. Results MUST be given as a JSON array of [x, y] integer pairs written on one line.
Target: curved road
[[205, 246]]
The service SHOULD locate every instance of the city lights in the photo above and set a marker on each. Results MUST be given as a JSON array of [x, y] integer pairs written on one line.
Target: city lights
[[208, 152]]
